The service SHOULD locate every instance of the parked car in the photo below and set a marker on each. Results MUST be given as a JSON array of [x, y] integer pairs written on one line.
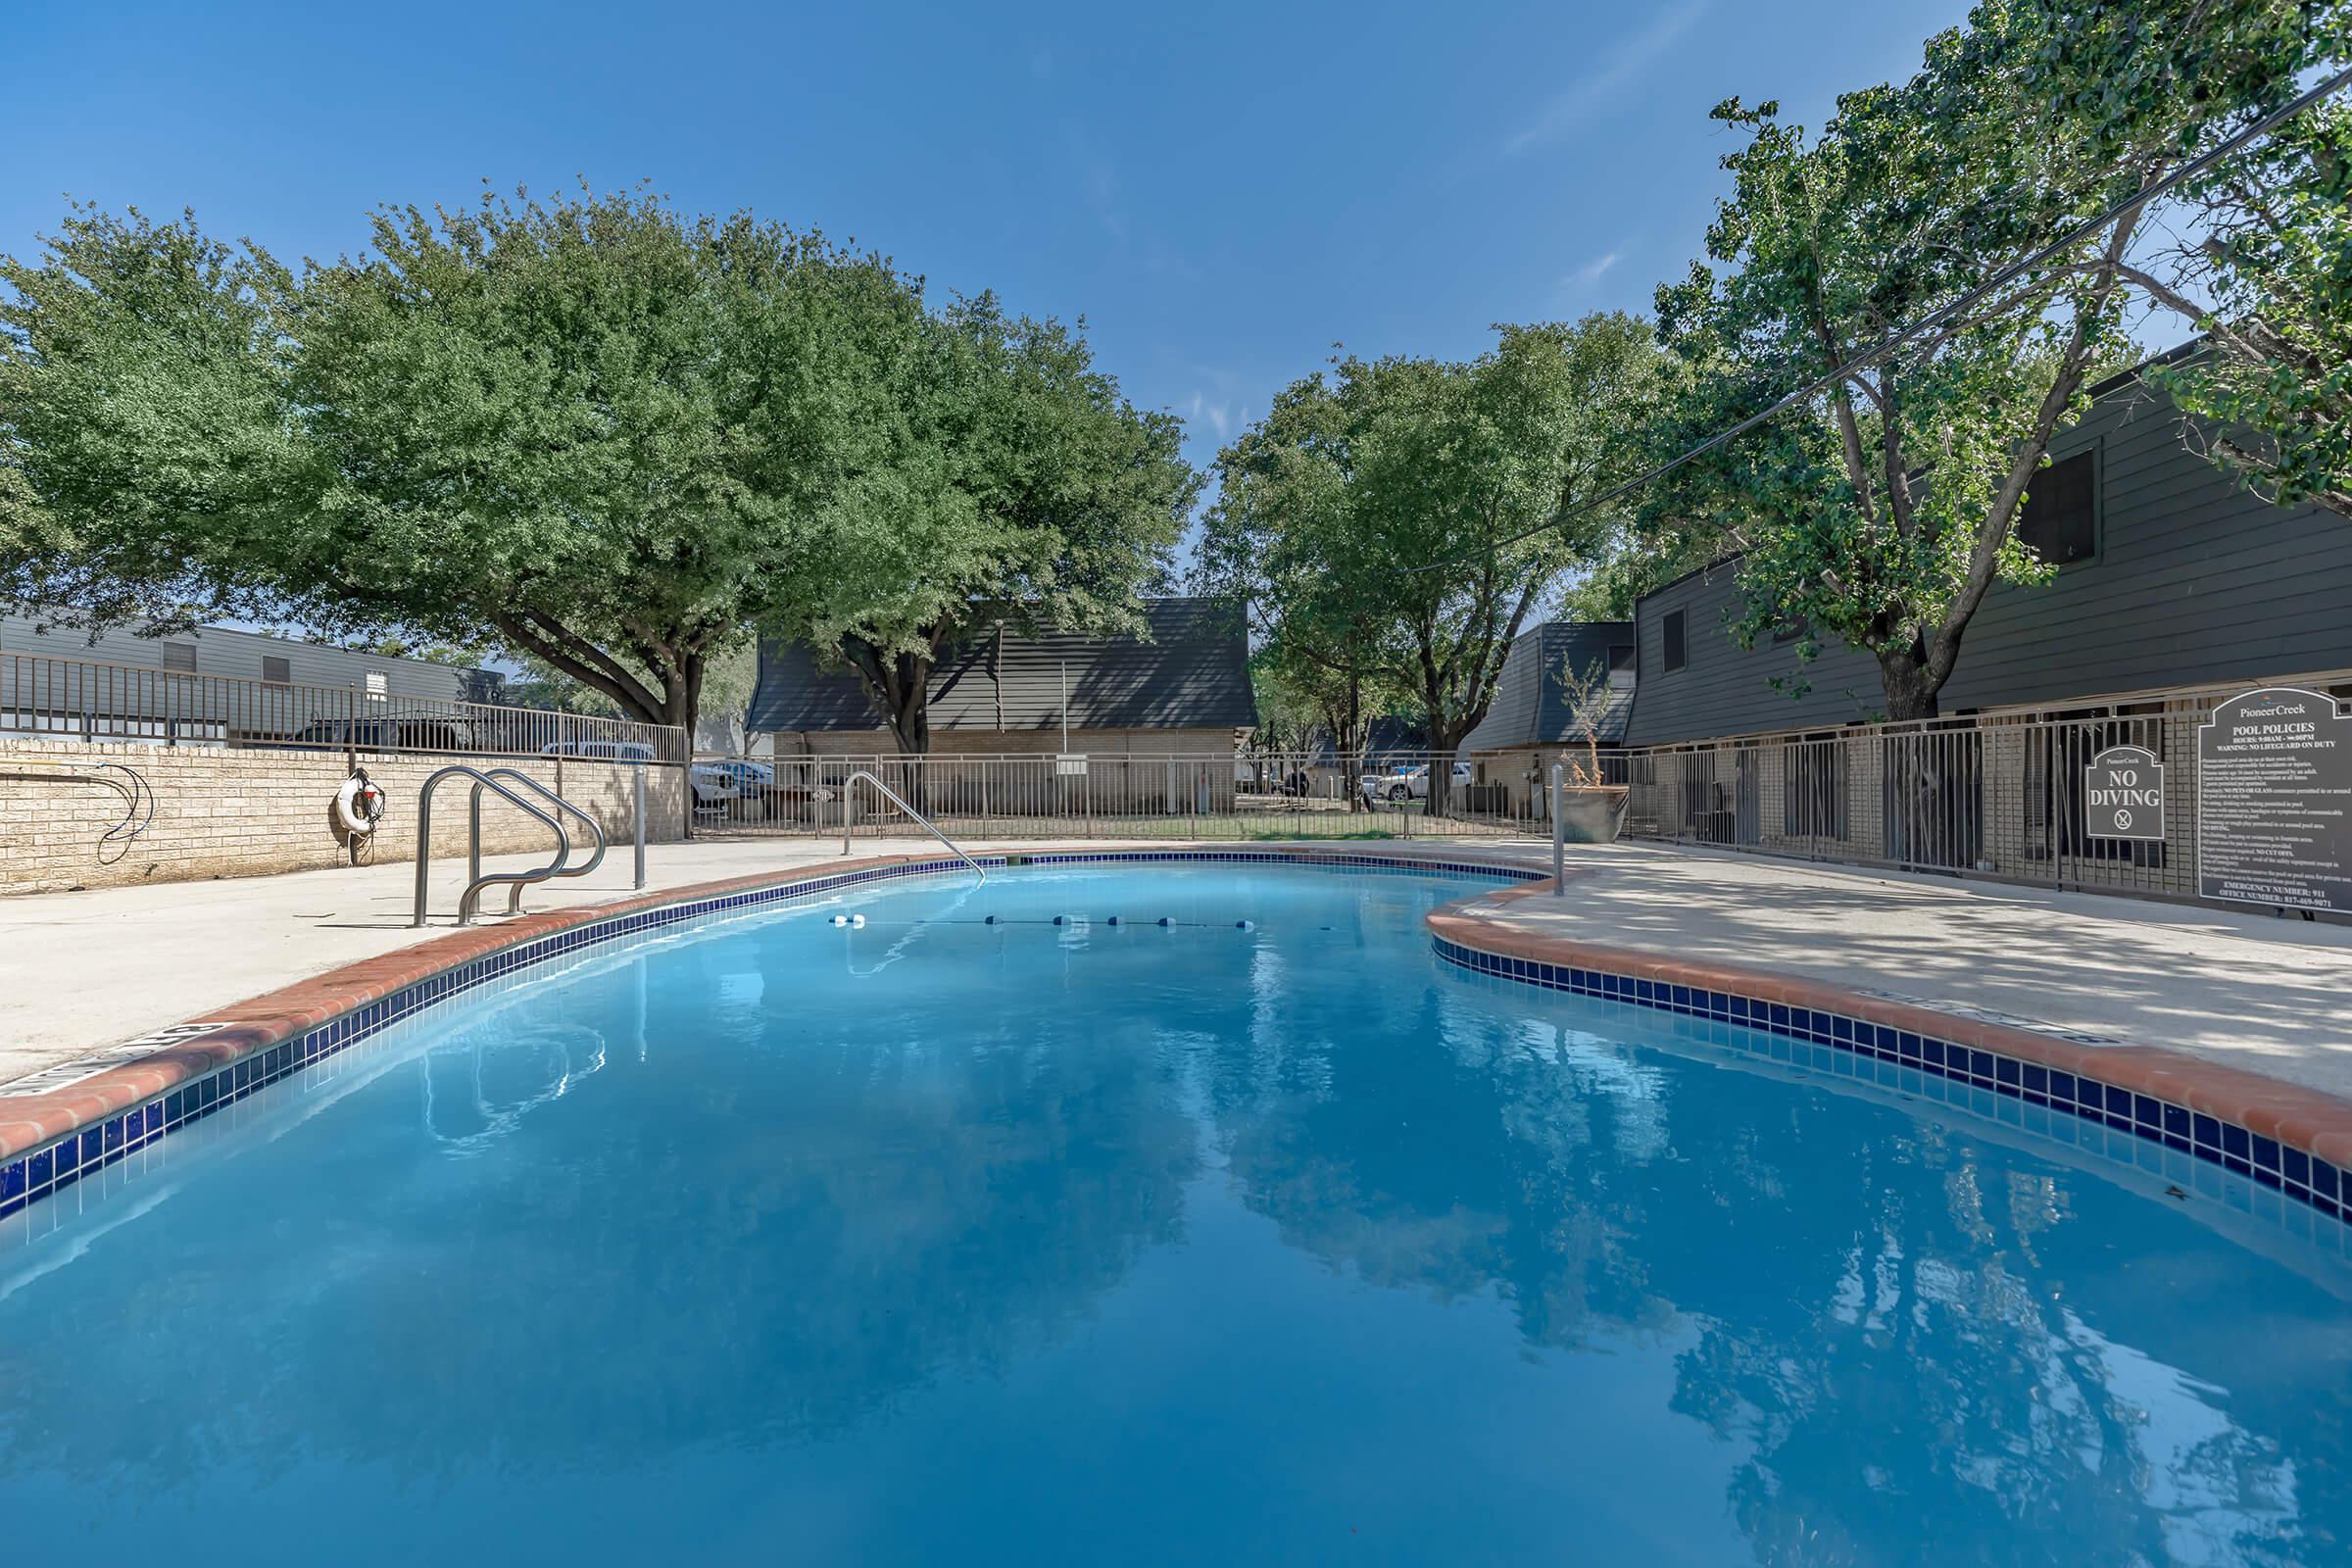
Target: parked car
[[716, 785], [750, 792], [1412, 784], [601, 751], [383, 735], [1251, 777]]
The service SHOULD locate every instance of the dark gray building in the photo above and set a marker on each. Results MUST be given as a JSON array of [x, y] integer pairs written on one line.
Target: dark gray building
[[2171, 575], [1186, 688], [1530, 721]]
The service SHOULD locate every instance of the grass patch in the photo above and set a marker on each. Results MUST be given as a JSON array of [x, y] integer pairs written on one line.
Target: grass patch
[[1366, 833]]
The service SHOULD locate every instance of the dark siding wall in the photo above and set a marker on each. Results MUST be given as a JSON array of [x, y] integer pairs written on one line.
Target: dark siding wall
[[1528, 707], [1722, 688], [2197, 580], [1195, 673]]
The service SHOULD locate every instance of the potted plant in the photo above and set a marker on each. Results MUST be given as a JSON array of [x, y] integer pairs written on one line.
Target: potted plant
[[1592, 810]]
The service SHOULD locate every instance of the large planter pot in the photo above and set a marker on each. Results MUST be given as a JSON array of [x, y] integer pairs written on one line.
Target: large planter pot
[[1591, 815]]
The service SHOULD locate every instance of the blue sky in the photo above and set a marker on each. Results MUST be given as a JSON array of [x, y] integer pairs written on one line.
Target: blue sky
[[1222, 191]]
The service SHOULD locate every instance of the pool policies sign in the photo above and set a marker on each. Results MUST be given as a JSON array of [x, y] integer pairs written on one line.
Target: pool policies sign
[[2122, 794], [2275, 801]]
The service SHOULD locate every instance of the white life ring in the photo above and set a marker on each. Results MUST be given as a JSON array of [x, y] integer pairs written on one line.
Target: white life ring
[[359, 805]]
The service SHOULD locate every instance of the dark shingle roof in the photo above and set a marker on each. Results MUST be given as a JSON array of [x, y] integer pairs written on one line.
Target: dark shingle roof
[[1193, 675], [1531, 707]]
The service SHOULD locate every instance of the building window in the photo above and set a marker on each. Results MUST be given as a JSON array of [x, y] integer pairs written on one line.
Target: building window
[[2059, 522], [276, 669], [180, 655], [1676, 643], [1622, 658]]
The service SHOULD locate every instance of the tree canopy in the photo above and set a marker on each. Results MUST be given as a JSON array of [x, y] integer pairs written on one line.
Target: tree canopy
[[1883, 510], [1398, 520], [1025, 489], [617, 437]]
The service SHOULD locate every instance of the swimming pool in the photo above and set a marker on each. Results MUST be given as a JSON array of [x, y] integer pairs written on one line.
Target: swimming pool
[[939, 1238]]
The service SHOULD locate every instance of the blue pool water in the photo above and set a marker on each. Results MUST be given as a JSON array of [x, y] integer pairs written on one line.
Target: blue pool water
[[942, 1241]]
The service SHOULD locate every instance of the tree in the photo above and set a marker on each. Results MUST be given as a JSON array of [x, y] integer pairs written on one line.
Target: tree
[[145, 447], [2269, 282], [610, 433], [2261, 270], [606, 430], [1022, 488], [1884, 510], [1588, 696], [1402, 518]]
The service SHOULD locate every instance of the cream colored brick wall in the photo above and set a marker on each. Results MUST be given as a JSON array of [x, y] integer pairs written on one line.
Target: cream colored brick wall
[[222, 813]]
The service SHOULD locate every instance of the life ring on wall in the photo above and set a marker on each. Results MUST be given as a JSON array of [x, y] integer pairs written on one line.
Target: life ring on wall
[[359, 805]]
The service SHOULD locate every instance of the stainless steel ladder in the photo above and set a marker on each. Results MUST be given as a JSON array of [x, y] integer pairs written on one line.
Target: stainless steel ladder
[[849, 793], [477, 880], [474, 861]]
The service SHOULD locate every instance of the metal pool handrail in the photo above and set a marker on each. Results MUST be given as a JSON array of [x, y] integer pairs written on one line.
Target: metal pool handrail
[[848, 794], [470, 900], [474, 855]]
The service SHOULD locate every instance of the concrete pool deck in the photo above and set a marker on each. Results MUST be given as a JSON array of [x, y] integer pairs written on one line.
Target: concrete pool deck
[[81, 971]]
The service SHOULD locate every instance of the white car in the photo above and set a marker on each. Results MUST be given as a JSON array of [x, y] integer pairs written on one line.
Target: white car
[[1412, 784], [716, 785]]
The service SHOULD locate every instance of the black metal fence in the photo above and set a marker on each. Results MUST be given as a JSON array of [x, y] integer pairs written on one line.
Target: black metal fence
[[1989, 796], [1264, 795], [84, 700]]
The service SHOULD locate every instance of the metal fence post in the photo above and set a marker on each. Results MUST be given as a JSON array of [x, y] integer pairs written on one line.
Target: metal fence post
[[1559, 836], [637, 813]]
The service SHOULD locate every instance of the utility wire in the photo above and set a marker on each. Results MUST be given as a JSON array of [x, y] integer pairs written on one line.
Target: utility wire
[[1928, 324]]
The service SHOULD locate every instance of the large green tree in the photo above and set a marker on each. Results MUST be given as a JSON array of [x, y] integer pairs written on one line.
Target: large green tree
[[146, 449], [595, 428], [1020, 488], [1402, 518], [615, 438], [1884, 510], [2266, 274]]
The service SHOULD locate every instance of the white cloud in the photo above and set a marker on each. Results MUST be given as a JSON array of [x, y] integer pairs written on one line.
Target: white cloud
[[1628, 60], [1589, 274]]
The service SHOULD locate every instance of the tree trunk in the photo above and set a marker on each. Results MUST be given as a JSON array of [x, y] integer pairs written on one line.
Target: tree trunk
[[1444, 742], [682, 706], [899, 686], [1911, 688], [1351, 745]]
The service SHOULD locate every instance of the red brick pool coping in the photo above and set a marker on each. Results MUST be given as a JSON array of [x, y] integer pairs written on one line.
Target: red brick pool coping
[[2309, 1119], [2318, 1123]]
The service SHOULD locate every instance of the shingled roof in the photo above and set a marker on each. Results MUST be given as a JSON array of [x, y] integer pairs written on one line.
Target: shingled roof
[[1531, 704], [1194, 673]]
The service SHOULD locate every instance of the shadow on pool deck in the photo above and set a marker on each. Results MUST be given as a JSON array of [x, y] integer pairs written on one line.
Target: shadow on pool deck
[[2269, 995]]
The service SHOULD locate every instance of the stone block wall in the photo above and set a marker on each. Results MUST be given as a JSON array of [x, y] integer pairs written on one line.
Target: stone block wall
[[252, 812]]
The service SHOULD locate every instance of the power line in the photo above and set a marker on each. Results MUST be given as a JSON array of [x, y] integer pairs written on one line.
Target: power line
[[1928, 324]]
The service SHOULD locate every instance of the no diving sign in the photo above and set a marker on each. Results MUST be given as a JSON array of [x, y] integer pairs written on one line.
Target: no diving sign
[[2122, 794]]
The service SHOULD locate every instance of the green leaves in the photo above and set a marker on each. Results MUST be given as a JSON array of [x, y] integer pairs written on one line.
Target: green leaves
[[1395, 522], [1884, 512], [1014, 483], [613, 435]]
